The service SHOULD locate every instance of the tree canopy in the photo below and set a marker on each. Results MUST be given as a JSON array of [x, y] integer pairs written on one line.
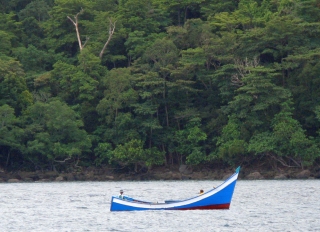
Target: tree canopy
[[155, 82]]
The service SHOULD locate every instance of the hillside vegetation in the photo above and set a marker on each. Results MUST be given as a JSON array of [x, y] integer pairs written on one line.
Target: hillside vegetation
[[133, 84]]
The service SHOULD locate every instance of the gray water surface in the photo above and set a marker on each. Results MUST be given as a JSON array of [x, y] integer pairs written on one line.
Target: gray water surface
[[290, 205]]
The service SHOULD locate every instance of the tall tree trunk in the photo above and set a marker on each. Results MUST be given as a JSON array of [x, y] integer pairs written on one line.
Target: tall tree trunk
[[8, 158], [185, 14], [112, 27]]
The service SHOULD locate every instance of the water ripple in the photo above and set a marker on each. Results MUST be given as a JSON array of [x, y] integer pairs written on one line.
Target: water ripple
[[84, 206]]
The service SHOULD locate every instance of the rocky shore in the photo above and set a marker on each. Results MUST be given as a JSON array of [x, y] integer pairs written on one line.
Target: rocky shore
[[182, 172]]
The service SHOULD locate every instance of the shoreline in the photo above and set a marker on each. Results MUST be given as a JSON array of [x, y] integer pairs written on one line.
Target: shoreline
[[157, 174]]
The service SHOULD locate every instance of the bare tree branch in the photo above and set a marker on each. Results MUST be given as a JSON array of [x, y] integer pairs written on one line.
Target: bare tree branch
[[284, 163], [235, 80], [76, 164], [62, 161], [112, 27], [76, 25], [242, 67]]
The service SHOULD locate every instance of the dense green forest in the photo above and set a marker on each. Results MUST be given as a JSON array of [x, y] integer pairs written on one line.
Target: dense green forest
[[138, 83]]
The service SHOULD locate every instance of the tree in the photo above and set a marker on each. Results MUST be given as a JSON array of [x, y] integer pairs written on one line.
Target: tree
[[103, 153], [9, 24], [54, 135], [137, 43], [5, 46], [279, 38], [258, 100], [31, 18], [13, 88], [37, 9], [212, 7], [75, 22], [231, 145], [291, 140], [307, 10], [58, 28], [119, 94], [251, 14], [76, 25], [34, 60], [72, 84], [301, 73], [162, 55], [147, 109], [180, 9], [188, 143], [287, 142], [7, 5], [112, 27], [132, 153], [142, 15], [10, 136]]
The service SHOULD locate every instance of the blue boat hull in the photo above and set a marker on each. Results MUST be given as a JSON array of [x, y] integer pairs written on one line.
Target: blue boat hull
[[218, 198]]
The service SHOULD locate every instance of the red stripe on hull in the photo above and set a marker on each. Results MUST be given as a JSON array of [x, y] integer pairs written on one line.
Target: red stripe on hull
[[221, 206]]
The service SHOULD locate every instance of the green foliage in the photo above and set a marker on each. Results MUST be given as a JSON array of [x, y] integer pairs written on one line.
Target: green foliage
[[37, 9], [119, 93], [230, 143], [59, 31], [154, 157], [5, 46], [10, 133], [53, 133], [33, 59], [141, 15], [262, 143], [103, 153], [179, 81], [317, 112], [162, 53], [286, 139], [180, 10], [13, 88], [132, 152], [31, 18], [72, 84], [252, 14], [259, 98], [91, 65], [188, 142], [308, 10], [291, 139], [11, 27], [138, 42], [209, 8]]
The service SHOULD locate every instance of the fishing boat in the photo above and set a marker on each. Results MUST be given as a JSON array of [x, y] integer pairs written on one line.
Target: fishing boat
[[216, 198]]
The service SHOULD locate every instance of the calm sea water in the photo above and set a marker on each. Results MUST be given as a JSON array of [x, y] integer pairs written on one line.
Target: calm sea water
[[290, 205]]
